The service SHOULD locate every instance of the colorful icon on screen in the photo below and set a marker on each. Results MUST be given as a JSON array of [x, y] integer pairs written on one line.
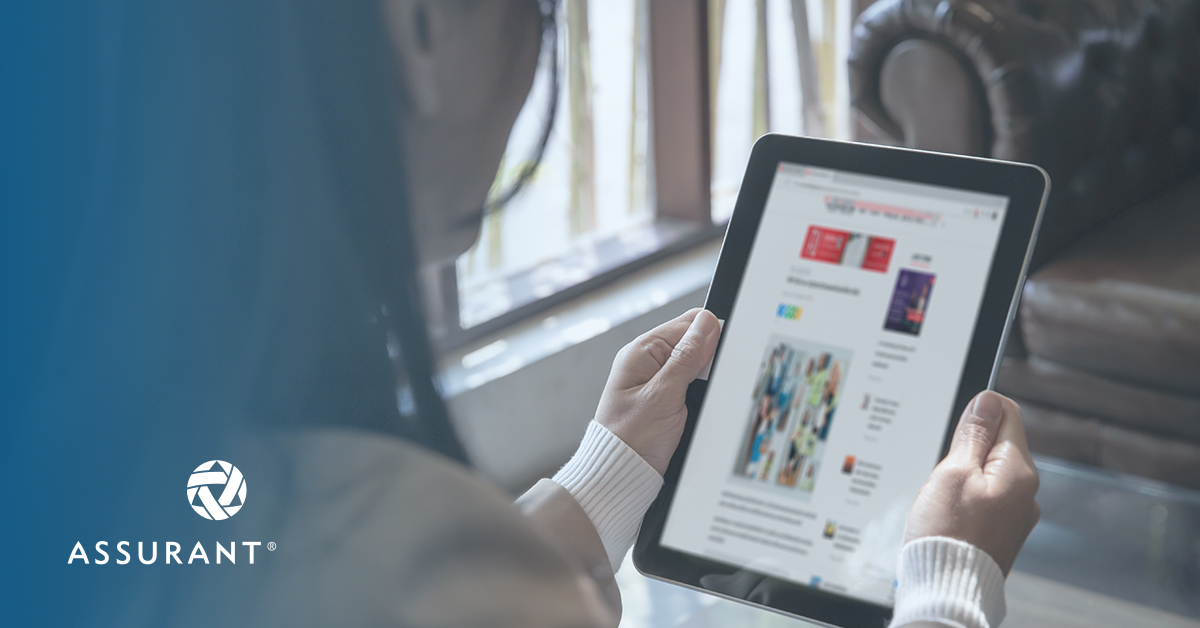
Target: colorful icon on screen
[[789, 312]]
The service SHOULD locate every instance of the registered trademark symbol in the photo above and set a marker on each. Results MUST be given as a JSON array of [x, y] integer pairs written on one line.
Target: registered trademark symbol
[[271, 546]]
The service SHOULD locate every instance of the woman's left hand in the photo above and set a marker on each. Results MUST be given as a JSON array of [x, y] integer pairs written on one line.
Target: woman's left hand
[[643, 401]]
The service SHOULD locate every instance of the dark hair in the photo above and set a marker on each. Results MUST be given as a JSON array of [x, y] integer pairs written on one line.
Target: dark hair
[[400, 295], [358, 101], [434, 428], [549, 10]]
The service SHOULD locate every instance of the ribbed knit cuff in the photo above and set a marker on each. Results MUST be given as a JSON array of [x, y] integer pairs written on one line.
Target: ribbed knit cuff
[[949, 581], [613, 484]]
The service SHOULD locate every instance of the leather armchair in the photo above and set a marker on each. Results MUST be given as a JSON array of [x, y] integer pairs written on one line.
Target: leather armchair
[[1105, 95]]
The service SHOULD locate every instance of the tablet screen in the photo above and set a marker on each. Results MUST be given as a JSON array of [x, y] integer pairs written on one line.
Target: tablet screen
[[829, 401]]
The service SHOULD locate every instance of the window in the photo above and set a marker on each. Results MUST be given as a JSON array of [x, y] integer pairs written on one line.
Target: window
[[659, 102], [589, 206], [774, 66]]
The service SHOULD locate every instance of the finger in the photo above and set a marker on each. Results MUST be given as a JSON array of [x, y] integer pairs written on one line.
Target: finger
[[673, 330], [978, 429], [1012, 430], [692, 353], [640, 360], [658, 343]]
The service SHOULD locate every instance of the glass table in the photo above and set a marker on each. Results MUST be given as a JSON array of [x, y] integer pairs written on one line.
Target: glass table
[[1110, 550]]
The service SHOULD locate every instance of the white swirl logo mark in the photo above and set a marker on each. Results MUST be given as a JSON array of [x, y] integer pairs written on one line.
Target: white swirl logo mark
[[225, 478]]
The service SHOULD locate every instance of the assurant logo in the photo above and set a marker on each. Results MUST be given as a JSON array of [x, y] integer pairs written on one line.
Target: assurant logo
[[226, 481], [216, 490]]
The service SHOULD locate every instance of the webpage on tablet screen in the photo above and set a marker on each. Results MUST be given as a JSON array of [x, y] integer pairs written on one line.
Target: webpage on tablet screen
[[827, 406]]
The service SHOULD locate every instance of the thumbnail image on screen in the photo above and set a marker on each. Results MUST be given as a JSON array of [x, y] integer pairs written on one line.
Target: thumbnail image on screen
[[794, 400], [910, 301]]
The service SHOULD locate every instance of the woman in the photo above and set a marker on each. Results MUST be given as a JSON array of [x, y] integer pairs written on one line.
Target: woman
[[270, 177]]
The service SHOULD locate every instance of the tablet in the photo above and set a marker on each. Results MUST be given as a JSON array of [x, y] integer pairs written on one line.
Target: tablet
[[866, 293]]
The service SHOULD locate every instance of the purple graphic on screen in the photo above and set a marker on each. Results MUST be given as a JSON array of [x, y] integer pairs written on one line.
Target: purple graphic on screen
[[910, 301]]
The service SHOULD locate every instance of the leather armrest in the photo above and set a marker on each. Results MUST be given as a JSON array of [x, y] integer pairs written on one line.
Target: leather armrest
[[1103, 94], [934, 99], [1000, 49]]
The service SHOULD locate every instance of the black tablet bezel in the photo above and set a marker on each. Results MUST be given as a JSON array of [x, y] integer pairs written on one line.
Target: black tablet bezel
[[1026, 187]]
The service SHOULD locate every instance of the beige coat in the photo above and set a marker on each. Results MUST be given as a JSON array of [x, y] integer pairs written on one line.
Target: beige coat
[[375, 531]]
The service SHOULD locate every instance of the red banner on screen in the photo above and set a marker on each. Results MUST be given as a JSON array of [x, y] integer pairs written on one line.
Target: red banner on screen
[[824, 244], [847, 248]]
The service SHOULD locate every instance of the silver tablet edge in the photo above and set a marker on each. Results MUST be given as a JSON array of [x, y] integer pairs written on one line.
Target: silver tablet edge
[[755, 605], [1016, 299]]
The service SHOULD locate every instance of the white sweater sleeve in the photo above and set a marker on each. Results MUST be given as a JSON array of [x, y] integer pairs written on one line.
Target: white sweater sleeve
[[613, 484], [948, 582]]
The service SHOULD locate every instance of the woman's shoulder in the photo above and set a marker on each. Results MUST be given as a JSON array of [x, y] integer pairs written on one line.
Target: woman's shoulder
[[380, 526], [358, 478]]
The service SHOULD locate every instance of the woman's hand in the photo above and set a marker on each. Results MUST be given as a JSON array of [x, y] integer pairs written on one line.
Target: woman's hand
[[983, 492], [643, 400]]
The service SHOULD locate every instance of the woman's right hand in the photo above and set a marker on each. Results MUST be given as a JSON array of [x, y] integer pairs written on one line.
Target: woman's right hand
[[983, 491], [643, 401]]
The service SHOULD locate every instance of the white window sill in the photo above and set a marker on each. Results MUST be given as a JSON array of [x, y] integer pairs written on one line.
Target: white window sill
[[522, 397]]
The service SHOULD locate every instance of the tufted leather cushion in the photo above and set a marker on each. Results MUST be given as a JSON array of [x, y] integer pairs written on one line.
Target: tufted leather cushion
[[1103, 94], [1087, 440], [1125, 302], [1170, 415]]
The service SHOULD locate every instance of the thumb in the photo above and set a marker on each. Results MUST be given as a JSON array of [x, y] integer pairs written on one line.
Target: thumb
[[692, 353], [978, 429]]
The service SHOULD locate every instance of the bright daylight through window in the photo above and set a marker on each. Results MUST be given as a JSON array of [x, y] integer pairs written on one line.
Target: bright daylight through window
[[593, 182]]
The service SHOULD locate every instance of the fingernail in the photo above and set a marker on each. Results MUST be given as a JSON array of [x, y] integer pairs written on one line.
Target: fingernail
[[987, 406], [704, 324]]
